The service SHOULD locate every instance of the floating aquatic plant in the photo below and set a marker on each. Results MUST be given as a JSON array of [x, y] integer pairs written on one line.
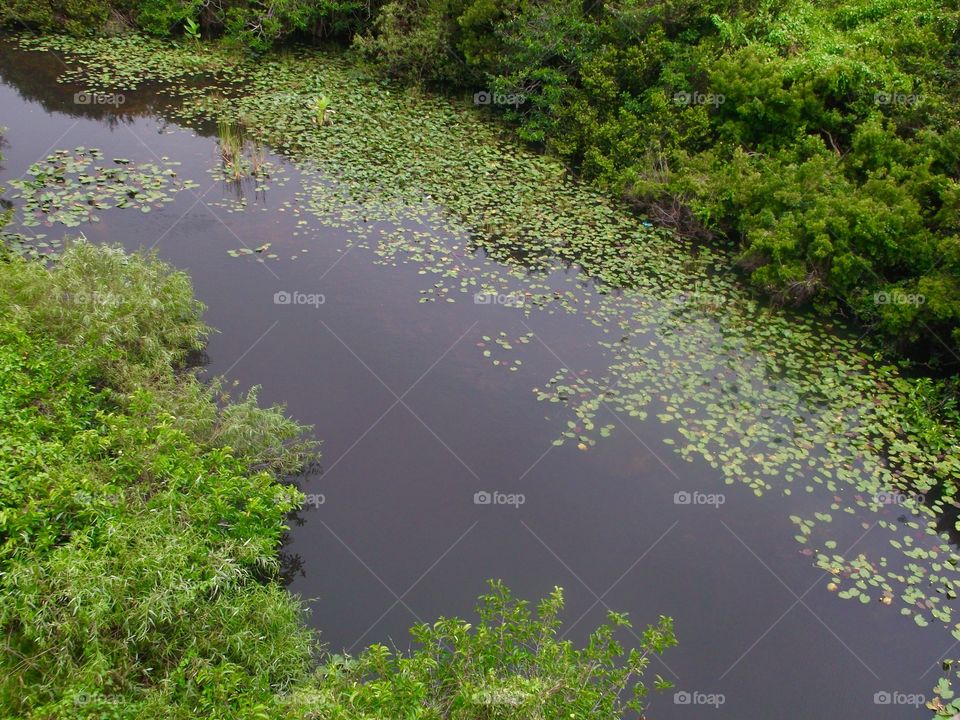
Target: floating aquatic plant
[[69, 187]]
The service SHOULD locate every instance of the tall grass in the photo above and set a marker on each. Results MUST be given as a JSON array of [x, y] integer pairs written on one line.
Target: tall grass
[[240, 156]]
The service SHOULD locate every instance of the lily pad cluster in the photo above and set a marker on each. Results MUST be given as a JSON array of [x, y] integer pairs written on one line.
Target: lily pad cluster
[[69, 187], [497, 348], [118, 63]]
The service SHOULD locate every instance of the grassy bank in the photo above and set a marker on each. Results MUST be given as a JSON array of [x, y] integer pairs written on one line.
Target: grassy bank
[[141, 513]]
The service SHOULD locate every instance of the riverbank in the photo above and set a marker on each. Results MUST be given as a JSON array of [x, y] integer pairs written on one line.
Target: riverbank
[[141, 510], [141, 516]]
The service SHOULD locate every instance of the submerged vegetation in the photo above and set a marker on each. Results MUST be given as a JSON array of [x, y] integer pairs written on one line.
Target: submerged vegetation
[[141, 515]]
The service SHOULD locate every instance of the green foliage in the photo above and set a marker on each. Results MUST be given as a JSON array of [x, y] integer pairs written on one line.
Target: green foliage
[[930, 411], [510, 666], [413, 40], [256, 24], [191, 28], [77, 17], [140, 511], [822, 135], [137, 312], [163, 17], [321, 109]]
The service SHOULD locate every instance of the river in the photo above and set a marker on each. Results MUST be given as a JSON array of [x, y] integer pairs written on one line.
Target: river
[[440, 468]]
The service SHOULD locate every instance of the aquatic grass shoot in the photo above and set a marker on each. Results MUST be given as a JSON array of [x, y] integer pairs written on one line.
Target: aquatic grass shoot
[[240, 156], [321, 112]]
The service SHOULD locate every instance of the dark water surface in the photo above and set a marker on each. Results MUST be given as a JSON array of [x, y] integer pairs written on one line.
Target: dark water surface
[[415, 422]]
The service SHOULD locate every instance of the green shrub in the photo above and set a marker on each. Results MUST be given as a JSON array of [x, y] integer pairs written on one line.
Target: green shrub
[[250, 23], [136, 311], [140, 512], [413, 40], [163, 17], [510, 666], [78, 17]]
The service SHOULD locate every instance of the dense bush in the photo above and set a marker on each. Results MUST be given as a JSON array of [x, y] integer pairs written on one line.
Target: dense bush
[[252, 23], [140, 522], [823, 136], [74, 16], [138, 514]]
